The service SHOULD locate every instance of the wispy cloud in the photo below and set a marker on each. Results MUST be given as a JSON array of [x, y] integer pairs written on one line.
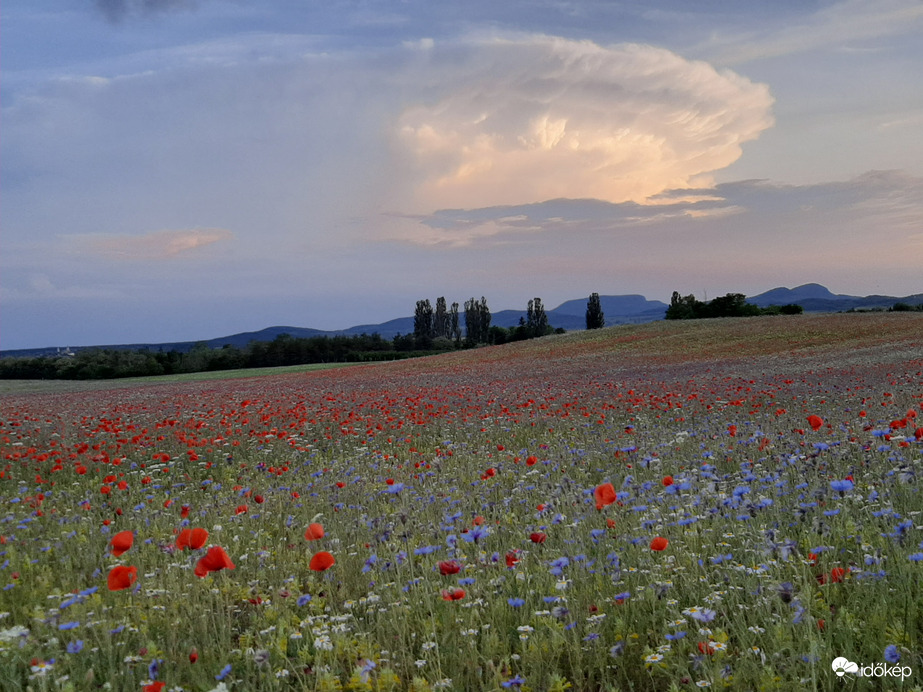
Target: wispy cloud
[[155, 245], [836, 26], [843, 210]]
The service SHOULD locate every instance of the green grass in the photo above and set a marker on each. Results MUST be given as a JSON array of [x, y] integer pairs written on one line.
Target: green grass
[[48, 386]]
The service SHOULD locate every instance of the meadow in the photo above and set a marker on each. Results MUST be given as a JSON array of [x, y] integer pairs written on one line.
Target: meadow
[[728, 503]]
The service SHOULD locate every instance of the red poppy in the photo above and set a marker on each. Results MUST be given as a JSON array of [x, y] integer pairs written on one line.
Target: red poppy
[[537, 536], [122, 542], [454, 594], [667, 480], [214, 560], [184, 511], [121, 577], [241, 509], [511, 559], [815, 422], [531, 460], [610, 523], [155, 686], [604, 494], [191, 538], [837, 574], [707, 648], [314, 532], [449, 567], [732, 430], [193, 655], [659, 543], [321, 561], [918, 434]]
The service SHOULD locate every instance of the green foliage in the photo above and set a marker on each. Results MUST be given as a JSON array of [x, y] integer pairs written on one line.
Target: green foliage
[[99, 364], [729, 305], [477, 321], [906, 307], [595, 319], [536, 319]]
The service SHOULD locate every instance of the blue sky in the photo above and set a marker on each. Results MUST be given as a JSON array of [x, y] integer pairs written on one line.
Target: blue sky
[[185, 169]]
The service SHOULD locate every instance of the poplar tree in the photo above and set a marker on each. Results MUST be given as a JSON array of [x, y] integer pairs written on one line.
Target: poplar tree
[[423, 320], [441, 319], [536, 319], [595, 319]]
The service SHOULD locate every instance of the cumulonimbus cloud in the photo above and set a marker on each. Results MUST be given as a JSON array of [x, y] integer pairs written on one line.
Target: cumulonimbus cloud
[[155, 245], [530, 119]]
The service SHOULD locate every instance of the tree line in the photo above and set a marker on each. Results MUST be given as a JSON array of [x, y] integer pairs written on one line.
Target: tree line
[[730, 305], [108, 363], [436, 329]]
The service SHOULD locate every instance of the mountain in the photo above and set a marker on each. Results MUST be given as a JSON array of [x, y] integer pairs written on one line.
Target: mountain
[[569, 315], [817, 298]]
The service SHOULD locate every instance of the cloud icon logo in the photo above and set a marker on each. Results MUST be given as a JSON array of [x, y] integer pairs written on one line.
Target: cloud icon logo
[[841, 666]]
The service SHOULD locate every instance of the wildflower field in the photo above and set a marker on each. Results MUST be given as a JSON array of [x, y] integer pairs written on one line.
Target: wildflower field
[[726, 503]]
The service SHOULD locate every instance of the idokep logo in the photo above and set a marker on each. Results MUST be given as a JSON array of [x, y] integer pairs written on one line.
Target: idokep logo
[[842, 665]]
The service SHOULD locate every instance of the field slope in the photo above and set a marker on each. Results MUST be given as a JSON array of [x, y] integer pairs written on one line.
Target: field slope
[[677, 505]]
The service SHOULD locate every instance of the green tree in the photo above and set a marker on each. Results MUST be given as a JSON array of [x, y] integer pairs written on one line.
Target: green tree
[[595, 319], [454, 328], [423, 321], [441, 319], [536, 319], [477, 321]]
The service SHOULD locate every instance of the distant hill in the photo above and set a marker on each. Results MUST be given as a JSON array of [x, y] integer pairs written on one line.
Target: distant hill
[[569, 315], [817, 298]]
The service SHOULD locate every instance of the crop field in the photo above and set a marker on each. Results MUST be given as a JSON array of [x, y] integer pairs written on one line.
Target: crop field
[[731, 504]]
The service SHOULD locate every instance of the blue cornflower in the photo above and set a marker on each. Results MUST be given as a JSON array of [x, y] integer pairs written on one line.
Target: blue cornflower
[[224, 673], [625, 595], [916, 557], [426, 550], [117, 630], [892, 655], [304, 599], [515, 681], [616, 650], [475, 534], [154, 668], [841, 486], [516, 602], [703, 615], [675, 635], [369, 563], [68, 625], [75, 647], [467, 581]]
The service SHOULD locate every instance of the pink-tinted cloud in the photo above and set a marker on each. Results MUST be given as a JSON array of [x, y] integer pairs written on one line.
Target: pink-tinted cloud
[[155, 245], [536, 118]]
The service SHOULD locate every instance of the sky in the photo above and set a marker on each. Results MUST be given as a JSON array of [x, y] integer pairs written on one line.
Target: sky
[[178, 170]]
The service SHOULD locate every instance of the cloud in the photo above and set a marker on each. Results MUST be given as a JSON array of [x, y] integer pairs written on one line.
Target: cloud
[[837, 25], [117, 10], [156, 245], [847, 212], [538, 117]]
